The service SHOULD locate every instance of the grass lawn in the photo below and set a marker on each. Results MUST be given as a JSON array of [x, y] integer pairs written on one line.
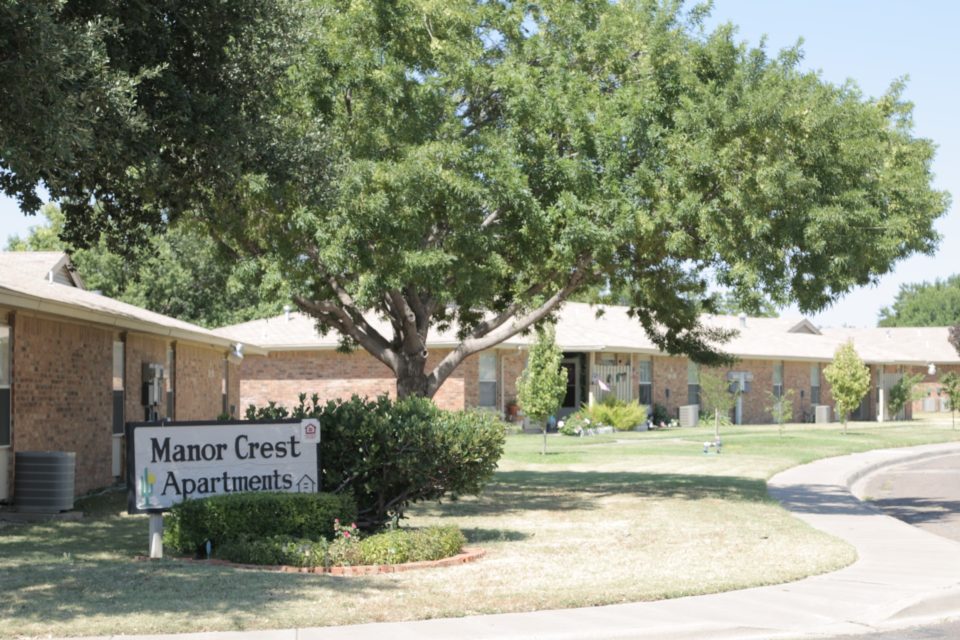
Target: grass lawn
[[598, 520]]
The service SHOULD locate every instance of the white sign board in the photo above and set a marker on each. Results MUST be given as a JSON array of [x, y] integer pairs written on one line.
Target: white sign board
[[173, 463]]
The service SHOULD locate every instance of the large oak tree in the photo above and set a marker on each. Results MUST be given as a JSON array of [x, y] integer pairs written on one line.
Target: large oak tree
[[474, 164]]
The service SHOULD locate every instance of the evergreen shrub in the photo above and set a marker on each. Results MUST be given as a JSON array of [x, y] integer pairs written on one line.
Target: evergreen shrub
[[190, 524]]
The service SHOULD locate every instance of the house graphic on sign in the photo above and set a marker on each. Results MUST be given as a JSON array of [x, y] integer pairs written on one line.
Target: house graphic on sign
[[306, 484]]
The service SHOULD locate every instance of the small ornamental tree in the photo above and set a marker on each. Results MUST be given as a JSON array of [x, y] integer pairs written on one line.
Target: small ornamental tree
[[716, 397], [902, 392], [951, 387], [781, 407], [541, 388], [849, 380]]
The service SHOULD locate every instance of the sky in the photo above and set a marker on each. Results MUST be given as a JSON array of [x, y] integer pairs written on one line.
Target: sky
[[871, 42]]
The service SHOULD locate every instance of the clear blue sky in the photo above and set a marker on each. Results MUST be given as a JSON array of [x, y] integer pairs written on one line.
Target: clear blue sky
[[871, 42]]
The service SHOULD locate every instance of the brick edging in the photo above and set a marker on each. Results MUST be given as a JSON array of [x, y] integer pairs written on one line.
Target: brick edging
[[465, 556]]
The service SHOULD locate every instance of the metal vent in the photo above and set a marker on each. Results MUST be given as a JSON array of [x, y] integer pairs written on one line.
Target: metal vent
[[822, 413], [689, 415], [44, 481]]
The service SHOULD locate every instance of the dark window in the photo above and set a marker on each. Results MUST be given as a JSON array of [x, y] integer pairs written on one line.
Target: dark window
[[693, 394], [814, 395], [118, 412], [4, 416]]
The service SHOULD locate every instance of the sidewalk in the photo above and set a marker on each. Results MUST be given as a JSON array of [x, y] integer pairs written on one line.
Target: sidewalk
[[904, 576]]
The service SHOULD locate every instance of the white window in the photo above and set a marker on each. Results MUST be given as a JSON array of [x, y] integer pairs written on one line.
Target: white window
[[488, 380], [118, 408], [815, 384], [645, 371], [693, 382], [778, 379], [6, 380]]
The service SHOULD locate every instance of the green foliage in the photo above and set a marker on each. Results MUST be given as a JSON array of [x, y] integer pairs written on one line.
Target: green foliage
[[715, 394], [189, 524], [953, 337], [951, 386], [903, 391], [541, 387], [389, 455], [926, 304], [396, 546], [182, 273], [575, 424], [849, 380], [622, 416], [493, 158], [131, 113]]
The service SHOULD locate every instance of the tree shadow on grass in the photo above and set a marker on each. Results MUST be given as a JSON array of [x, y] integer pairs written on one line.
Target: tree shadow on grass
[[518, 491]]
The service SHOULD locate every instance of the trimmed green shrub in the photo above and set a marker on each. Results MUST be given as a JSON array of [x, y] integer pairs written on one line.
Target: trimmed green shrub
[[190, 524], [396, 546], [622, 416], [392, 454]]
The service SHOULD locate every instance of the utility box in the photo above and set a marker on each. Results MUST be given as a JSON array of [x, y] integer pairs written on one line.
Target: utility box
[[822, 414], [689, 415]]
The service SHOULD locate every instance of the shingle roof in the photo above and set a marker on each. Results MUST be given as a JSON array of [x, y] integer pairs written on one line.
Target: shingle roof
[[24, 284], [580, 328]]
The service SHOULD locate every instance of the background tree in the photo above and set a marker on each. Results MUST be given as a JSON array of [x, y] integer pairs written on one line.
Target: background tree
[[475, 164], [903, 391], [543, 384], [926, 304], [951, 386], [183, 273], [849, 380]]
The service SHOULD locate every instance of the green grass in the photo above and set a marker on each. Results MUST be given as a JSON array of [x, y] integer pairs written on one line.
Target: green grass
[[635, 516]]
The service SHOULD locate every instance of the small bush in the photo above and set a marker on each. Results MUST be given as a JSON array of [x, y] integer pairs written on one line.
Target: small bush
[[254, 515], [390, 547], [622, 416], [660, 414], [575, 424]]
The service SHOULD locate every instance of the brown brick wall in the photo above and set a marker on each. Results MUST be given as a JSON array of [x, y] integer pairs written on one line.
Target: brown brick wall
[[233, 389], [282, 376], [514, 362], [141, 349], [670, 373], [930, 384], [62, 393], [199, 382]]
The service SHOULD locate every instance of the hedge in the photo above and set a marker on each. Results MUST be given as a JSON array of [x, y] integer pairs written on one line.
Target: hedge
[[397, 546], [190, 524]]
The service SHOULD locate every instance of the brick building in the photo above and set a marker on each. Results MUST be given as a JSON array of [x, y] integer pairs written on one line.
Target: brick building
[[773, 355], [72, 369]]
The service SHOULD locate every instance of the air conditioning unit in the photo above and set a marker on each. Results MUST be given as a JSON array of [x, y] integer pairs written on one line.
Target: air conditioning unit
[[689, 415], [822, 413]]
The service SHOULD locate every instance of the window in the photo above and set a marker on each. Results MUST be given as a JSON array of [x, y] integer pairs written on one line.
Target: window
[[488, 380], [693, 383], [118, 359], [778, 379], [5, 383], [171, 398], [815, 384], [645, 370]]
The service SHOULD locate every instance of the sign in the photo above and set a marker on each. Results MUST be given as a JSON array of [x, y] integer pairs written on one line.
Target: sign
[[172, 462]]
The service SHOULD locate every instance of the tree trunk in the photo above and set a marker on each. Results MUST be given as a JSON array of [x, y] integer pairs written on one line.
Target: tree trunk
[[412, 378]]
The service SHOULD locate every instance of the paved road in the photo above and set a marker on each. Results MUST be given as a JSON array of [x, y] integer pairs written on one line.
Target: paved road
[[927, 495]]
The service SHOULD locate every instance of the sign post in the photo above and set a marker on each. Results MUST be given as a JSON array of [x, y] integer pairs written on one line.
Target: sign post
[[168, 463]]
